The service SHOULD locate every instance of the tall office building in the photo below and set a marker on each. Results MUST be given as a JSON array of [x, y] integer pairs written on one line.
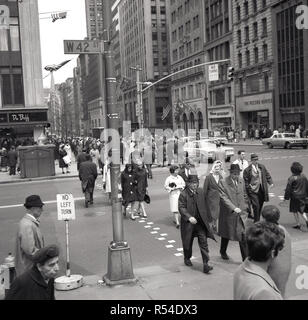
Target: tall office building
[[219, 46], [94, 16], [254, 62], [186, 25], [23, 112], [143, 43], [290, 45]]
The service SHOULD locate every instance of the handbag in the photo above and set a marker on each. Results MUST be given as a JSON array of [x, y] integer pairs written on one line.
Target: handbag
[[67, 159], [147, 199]]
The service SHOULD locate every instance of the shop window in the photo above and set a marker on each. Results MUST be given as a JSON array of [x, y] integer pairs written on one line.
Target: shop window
[[219, 97], [253, 84]]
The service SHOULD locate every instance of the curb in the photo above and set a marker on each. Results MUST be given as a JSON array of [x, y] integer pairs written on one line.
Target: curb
[[245, 145], [37, 179]]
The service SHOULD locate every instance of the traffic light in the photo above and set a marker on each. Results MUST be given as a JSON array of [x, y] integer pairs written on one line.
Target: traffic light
[[230, 73]]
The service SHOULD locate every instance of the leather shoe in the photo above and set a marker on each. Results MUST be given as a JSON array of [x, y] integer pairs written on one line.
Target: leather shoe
[[86, 204], [224, 256], [188, 262], [207, 268]]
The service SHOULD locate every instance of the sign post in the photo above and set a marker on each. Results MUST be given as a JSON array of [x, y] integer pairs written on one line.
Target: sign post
[[66, 212]]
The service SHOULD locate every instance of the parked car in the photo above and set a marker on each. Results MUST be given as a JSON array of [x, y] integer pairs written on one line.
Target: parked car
[[285, 140], [206, 149]]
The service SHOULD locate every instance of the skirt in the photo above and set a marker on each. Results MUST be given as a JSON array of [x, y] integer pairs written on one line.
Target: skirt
[[174, 200]]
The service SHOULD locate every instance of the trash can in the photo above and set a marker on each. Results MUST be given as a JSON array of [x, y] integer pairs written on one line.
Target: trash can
[[37, 161]]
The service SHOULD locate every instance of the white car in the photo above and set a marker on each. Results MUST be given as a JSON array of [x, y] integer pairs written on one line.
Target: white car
[[206, 150]]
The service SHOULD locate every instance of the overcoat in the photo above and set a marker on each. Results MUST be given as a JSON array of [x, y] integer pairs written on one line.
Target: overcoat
[[175, 191], [142, 183], [12, 158], [231, 225], [265, 176], [87, 174], [212, 195], [62, 154], [187, 209], [29, 240], [31, 286], [129, 186]]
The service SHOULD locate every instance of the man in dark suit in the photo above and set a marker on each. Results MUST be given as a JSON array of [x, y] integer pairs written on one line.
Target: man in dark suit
[[233, 211], [256, 178], [12, 160], [81, 157], [87, 176], [195, 222]]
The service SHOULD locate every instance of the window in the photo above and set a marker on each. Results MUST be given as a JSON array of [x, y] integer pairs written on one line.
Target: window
[[240, 62], [162, 10], [246, 9], [11, 89], [196, 22], [183, 93], [263, 3], [189, 47], [4, 41], [265, 52], [246, 34], [153, 10], [241, 87], [264, 27], [187, 27], [175, 55], [219, 95], [255, 30], [238, 12], [266, 82], [247, 57], [252, 84], [256, 54], [255, 6], [239, 36], [196, 44], [190, 91], [181, 28]]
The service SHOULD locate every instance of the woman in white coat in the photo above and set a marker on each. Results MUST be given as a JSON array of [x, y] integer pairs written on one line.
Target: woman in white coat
[[174, 184]]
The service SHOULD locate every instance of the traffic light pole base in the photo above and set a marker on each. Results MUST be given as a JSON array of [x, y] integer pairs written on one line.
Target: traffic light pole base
[[120, 269]]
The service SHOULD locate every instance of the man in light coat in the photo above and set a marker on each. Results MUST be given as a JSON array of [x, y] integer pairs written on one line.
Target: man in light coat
[[252, 281], [233, 212], [29, 238], [241, 161]]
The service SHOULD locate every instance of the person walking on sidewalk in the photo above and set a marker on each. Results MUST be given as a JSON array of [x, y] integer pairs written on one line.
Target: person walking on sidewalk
[[251, 281], [233, 212], [280, 268], [87, 176], [211, 191], [297, 192], [62, 163], [29, 238], [82, 157], [12, 160], [174, 184], [195, 222], [241, 161], [256, 178], [128, 186], [37, 283]]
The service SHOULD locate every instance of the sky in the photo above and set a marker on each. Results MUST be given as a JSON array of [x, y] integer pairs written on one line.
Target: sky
[[53, 34]]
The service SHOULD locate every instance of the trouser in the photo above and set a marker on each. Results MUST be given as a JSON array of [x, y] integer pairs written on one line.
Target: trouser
[[257, 201], [88, 194], [224, 245], [12, 170], [149, 169], [200, 233]]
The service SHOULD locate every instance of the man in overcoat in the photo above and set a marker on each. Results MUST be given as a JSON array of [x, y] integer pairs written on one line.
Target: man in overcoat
[[12, 160], [29, 238], [256, 178], [195, 222], [233, 211], [38, 282], [87, 176]]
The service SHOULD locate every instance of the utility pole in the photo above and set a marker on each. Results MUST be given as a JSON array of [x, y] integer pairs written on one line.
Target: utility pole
[[139, 107], [120, 268]]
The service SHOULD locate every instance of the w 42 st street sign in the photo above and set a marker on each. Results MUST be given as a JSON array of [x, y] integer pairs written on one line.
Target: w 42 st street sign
[[83, 46]]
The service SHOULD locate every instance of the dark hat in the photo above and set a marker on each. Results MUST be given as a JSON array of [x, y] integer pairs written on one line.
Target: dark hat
[[235, 167], [46, 253], [192, 178], [33, 201], [254, 156]]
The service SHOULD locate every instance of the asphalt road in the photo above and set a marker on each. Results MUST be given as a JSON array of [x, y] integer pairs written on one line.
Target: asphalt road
[[160, 244]]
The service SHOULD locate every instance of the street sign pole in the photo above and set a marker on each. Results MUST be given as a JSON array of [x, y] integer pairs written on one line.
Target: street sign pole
[[68, 269], [120, 268]]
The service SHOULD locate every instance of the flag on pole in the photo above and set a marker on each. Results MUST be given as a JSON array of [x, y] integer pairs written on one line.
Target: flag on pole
[[166, 111], [55, 67]]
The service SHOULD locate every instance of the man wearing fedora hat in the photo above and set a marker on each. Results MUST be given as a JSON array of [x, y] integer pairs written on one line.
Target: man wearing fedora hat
[[195, 221], [29, 238], [233, 211], [256, 178]]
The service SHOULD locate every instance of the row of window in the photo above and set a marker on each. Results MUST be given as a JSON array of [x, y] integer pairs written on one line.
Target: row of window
[[191, 91], [255, 54], [186, 50], [218, 30], [216, 10], [179, 34], [254, 6], [253, 84], [179, 13], [255, 27], [9, 38]]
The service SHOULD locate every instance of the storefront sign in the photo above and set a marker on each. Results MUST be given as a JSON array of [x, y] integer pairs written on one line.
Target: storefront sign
[[255, 102], [223, 113], [23, 117]]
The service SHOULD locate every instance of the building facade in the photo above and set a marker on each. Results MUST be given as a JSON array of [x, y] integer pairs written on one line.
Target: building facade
[[254, 63], [291, 64], [218, 45], [186, 37], [144, 45], [94, 17], [23, 112]]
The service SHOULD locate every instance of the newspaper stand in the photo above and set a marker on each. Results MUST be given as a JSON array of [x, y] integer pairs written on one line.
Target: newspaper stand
[[66, 212]]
